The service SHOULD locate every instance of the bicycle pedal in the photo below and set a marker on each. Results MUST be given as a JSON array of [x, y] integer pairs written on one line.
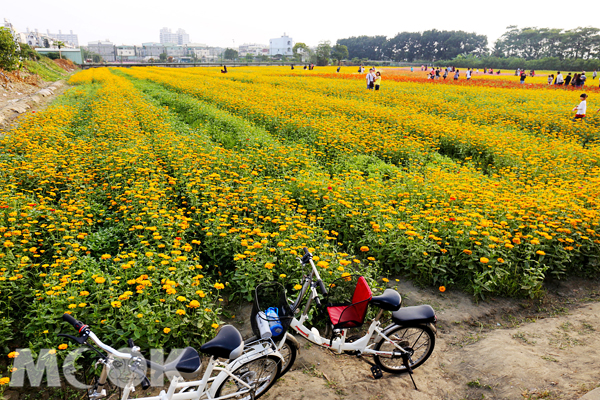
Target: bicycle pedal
[[377, 372]]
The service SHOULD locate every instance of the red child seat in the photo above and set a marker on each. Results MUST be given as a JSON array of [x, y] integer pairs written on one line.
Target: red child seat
[[345, 312]]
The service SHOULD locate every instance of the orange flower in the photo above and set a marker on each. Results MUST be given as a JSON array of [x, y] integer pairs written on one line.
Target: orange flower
[[442, 289]]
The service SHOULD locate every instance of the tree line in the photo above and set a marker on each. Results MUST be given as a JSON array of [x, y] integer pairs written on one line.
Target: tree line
[[555, 46]]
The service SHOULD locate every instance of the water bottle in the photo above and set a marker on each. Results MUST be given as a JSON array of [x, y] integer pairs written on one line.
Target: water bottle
[[263, 325], [274, 322]]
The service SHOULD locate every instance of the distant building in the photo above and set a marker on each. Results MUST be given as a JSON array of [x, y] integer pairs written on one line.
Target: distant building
[[127, 53], [281, 46], [70, 39], [253, 48], [180, 37], [105, 49], [37, 39]]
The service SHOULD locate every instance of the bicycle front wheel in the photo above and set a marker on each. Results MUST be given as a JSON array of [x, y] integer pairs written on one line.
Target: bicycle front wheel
[[419, 340], [260, 374]]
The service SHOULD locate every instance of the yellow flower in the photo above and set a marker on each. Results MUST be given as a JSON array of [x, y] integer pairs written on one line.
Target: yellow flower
[[500, 260], [484, 260], [105, 256], [63, 346], [167, 330], [282, 276], [364, 249], [180, 312], [540, 252], [297, 287], [4, 381], [194, 304], [200, 293], [215, 326], [116, 304], [269, 265], [467, 251], [219, 286], [13, 354], [386, 280], [100, 280]]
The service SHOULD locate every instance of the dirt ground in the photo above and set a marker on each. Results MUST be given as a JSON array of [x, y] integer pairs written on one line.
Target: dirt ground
[[497, 349]]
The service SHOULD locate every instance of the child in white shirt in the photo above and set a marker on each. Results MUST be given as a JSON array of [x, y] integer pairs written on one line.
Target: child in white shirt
[[581, 108]]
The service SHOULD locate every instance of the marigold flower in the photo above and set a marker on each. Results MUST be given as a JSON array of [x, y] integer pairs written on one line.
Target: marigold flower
[[180, 312], [219, 286], [364, 249], [63, 346], [167, 330], [215, 326], [5, 380], [484, 260], [442, 289], [13, 354]]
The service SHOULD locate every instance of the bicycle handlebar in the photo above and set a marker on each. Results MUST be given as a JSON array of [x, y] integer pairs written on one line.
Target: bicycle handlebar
[[322, 287], [78, 325]]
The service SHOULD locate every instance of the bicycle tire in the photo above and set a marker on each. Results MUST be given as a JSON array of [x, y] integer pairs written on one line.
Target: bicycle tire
[[264, 370], [420, 339], [288, 351]]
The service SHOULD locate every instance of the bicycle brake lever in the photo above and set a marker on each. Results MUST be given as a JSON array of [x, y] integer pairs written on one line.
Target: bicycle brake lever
[[80, 340]]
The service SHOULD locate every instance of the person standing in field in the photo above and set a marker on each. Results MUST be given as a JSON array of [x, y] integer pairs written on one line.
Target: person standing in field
[[576, 81], [559, 79], [456, 74], [370, 80], [595, 74], [523, 76], [581, 108], [550, 79], [377, 80], [469, 74], [582, 77], [568, 79]]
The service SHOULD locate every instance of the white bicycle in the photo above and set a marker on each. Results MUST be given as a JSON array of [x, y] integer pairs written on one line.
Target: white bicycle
[[401, 346], [248, 372]]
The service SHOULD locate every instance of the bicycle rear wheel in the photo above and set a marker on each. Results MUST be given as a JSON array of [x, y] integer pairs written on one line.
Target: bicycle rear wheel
[[288, 351], [260, 374], [420, 340]]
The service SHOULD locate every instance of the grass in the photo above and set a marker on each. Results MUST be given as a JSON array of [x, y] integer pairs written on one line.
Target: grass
[[46, 69]]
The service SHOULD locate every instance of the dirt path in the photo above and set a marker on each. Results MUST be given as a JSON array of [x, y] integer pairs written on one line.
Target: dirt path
[[500, 349], [23, 98]]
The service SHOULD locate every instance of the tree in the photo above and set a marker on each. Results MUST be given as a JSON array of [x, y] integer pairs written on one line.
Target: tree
[[369, 47], [249, 57], [323, 53], [163, 57], [60, 44], [339, 52], [230, 54], [300, 50], [9, 51]]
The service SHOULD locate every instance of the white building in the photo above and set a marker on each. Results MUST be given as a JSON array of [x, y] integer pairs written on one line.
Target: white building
[[253, 48], [105, 49], [69, 39], [180, 37], [36, 39], [281, 46]]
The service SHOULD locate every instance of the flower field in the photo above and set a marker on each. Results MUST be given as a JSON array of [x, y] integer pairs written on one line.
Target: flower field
[[144, 199]]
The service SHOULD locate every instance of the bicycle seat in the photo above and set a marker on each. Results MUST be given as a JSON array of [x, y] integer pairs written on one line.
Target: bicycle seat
[[227, 344], [187, 363], [390, 300], [414, 315]]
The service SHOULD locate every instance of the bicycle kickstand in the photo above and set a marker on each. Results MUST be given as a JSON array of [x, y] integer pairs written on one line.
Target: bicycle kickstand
[[406, 363]]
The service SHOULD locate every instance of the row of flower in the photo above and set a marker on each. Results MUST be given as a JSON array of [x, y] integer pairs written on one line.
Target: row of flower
[[438, 219]]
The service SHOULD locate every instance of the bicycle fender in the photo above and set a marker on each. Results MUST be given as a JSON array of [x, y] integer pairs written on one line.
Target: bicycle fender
[[294, 341]]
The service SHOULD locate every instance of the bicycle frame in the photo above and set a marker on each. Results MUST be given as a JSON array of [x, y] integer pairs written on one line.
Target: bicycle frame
[[202, 388], [360, 346]]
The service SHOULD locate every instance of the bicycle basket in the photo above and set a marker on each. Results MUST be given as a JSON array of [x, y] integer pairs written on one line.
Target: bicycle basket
[[347, 301], [266, 296]]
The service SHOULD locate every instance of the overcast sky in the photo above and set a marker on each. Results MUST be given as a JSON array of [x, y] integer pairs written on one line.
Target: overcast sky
[[229, 23]]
